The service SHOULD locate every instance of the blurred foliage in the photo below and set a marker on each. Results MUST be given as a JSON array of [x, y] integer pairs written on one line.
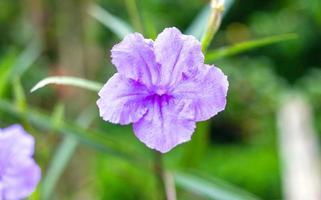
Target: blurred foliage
[[238, 146]]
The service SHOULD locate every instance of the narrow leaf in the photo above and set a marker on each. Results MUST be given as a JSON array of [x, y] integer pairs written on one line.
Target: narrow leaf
[[6, 64], [27, 58], [116, 25], [68, 80], [20, 101], [241, 47], [58, 114], [15, 66], [217, 190], [149, 25], [134, 15], [19, 94]]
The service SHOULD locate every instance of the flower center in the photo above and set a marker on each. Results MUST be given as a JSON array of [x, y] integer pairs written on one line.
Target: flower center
[[159, 94], [160, 98], [160, 91]]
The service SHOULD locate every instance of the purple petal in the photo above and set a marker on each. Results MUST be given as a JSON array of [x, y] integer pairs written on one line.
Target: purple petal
[[177, 54], [15, 140], [20, 178], [122, 100], [165, 125], [134, 58], [206, 91], [19, 174]]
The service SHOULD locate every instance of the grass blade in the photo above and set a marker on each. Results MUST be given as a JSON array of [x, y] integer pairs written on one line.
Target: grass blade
[[116, 25], [20, 101], [68, 80], [6, 64], [134, 15], [58, 114], [217, 190], [20, 98], [246, 46], [14, 66]]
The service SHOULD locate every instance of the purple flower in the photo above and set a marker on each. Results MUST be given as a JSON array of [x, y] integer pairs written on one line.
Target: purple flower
[[19, 174], [163, 87]]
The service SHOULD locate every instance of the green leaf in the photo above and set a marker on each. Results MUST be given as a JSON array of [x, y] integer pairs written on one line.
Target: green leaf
[[14, 66], [214, 189], [68, 80], [134, 15], [20, 101], [116, 25], [98, 140], [20, 98], [149, 25], [241, 47], [58, 115]]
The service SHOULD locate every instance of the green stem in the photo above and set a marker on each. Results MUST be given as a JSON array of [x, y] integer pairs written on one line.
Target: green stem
[[214, 22], [165, 179], [159, 172]]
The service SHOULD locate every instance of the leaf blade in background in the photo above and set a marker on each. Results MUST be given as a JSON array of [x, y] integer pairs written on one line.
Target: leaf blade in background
[[20, 101], [134, 15], [6, 64], [26, 59], [68, 80], [116, 25], [20, 97], [216, 190], [14, 66], [58, 114], [241, 47]]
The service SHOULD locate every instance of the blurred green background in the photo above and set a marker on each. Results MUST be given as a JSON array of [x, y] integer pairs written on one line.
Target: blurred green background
[[239, 147]]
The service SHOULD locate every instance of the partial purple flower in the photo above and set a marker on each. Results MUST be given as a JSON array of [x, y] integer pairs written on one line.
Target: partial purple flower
[[19, 174], [163, 87]]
